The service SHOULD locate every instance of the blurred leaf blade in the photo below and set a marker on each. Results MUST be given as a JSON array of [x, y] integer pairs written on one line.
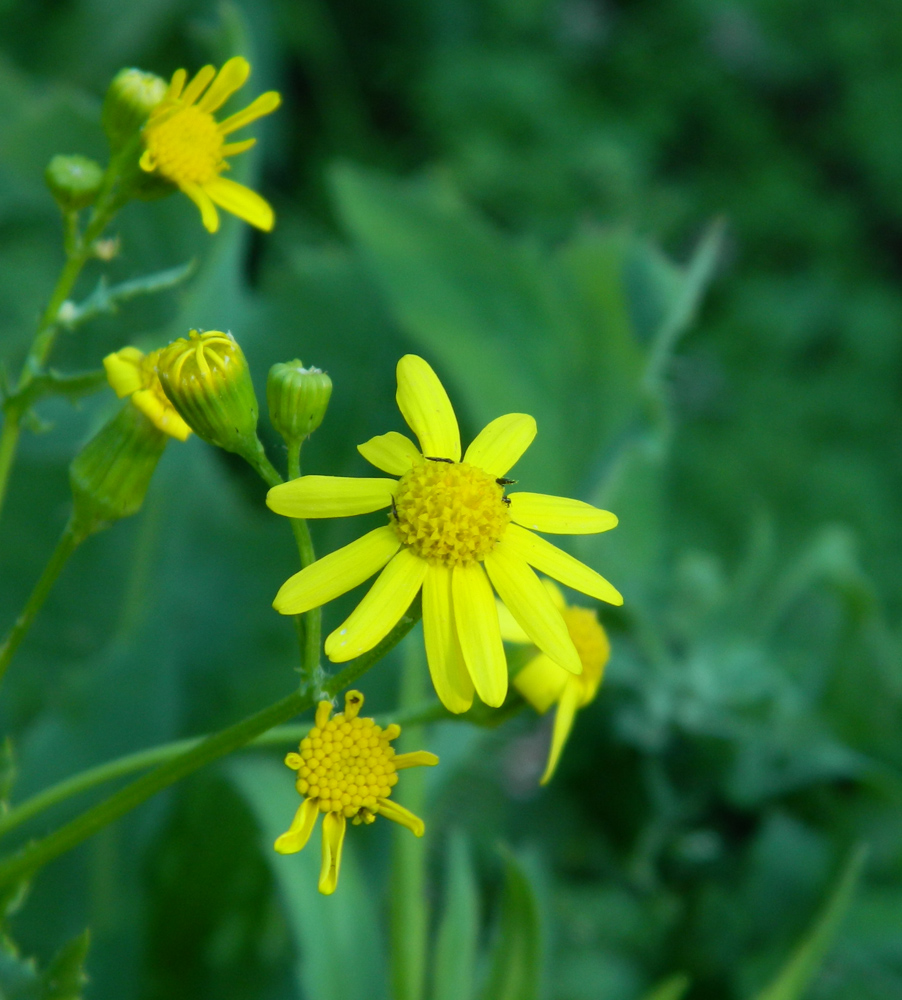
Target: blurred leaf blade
[[454, 966]]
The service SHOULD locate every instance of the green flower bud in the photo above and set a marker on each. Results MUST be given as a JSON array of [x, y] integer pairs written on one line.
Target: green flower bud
[[298, 398], [110, 475], [74, 181], [207, 380], [131, 97]]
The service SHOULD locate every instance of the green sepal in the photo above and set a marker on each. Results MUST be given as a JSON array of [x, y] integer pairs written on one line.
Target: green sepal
[[298, 398]]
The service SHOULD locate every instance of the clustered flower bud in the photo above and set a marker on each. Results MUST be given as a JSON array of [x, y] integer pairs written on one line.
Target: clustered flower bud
[[206, 378], [74, 181], [298, 398], [110, 475]]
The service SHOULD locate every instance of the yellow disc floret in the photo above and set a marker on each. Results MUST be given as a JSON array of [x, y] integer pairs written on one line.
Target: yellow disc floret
[[592, 645], [451, 513], [187, 147]]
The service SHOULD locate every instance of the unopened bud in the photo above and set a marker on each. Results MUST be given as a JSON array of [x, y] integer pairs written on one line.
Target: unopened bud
[[207, 380], [298, 398], [110, 475], [131, 97], [74, 181]]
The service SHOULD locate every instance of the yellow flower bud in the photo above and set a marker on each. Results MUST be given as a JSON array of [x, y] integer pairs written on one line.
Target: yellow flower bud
[[110, 475], [206, 378], [131, 97], [298, 398]]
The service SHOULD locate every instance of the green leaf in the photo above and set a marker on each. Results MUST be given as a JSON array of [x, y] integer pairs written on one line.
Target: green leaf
[[326, 929], [673, 988], [795, 977], [63, 979], [455, 948], [516, 956]]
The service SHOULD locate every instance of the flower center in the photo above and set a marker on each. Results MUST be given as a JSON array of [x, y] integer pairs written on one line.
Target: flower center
[[347, 765], [449, 512], [187, 147], [591, 644]]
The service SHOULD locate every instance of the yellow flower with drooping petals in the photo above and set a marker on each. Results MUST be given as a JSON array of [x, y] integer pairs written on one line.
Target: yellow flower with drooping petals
[[186, 145], [133, 373], [451, 530], [543, 683], [346, 770]]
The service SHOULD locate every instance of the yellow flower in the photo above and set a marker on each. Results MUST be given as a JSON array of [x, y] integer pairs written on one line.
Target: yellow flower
[[186, 145], [543, 683], [133, 373], [346, 770], [448, 519]]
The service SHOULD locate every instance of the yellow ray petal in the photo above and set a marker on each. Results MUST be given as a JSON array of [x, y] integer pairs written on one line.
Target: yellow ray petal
[[330, 496], [529, 602], [476, 621], [559, 515], [417, 758], [176, 84], [241, 201], [378, 613], [296, 836], [334, 826], [499, 445], [230, 78], [548, 558], [392, 452], [398, 814], [123, 371], [554, 591], [234, 148], [510, 629], [563, 723], [449, 674], [337, 573], [425, 406], [208, 214], [265, 104], [197, 86], [541, 682], [161, 414]]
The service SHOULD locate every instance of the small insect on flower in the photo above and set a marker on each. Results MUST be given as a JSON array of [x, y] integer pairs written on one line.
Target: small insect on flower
[[346, 769], [187, 146], [452, 532], [543, 683]]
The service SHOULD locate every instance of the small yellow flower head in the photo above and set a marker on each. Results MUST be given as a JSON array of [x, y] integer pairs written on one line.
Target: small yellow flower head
[[206, 378], [298, 398], [543, 683], [130, 99], [346, 769], [453, 532], [110, 475], [187, 146], [133, 373]]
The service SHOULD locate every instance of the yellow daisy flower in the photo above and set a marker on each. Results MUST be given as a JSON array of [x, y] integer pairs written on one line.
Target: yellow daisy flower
[[346, 770], [186, 145], [450, 522], [543, 683], [133, 373]]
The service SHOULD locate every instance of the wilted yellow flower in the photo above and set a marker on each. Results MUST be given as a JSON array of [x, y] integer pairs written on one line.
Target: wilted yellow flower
[[346, 770], [449, 518], [133, 373], [186, 145], [543, 683]]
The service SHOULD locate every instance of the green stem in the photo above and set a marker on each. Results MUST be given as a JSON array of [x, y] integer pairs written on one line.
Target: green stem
[[409, 908], [69, 541], [186, 757]]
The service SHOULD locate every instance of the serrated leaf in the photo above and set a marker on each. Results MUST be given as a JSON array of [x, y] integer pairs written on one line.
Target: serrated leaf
[[454, 967], [795, 977], [63, 979], [516, 955]]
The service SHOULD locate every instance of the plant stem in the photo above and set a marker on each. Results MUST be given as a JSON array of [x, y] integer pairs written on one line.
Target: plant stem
[[409, 909], [182, 759], [68, 543]]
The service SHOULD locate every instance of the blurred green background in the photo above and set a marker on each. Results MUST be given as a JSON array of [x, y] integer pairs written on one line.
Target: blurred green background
[[670, 229]]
